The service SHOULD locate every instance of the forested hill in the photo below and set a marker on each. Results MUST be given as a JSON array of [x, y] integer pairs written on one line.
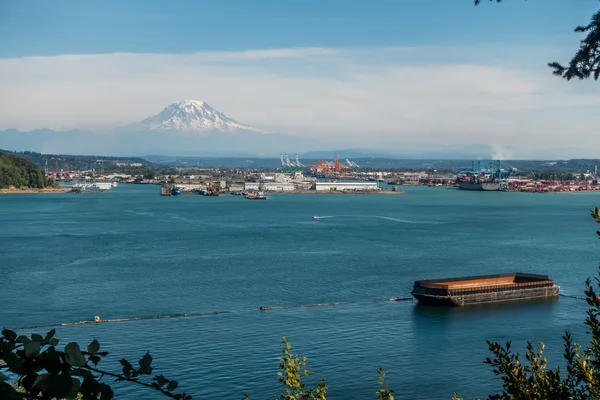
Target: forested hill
[[18, 172], [76, 162]]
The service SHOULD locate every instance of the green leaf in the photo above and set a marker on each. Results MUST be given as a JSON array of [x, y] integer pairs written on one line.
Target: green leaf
[[146, 360], [49, 335], [161, 380], [94, 359], [75, 389], [42, 382], [23, 339], [60, 385], [10, 335], [147, 370], [127, 367], [54, 342], [73, 355], [14, 363], [89, 388], [106, 392], [126, 363], [93, 347], [32, 349], [172, 386], [37, 338], [51, 361], [84, 373], [27, 381]]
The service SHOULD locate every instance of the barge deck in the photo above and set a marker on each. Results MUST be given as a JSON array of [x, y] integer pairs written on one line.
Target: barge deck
[[484, 289]]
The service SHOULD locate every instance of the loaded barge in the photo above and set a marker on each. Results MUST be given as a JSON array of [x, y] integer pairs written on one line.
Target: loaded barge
[[483, 289]]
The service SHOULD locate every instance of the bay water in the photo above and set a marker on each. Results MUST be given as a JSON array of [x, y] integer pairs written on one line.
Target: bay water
[[129, 253]]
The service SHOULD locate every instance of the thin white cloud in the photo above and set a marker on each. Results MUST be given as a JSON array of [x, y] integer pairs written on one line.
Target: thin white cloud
[[361, 96]]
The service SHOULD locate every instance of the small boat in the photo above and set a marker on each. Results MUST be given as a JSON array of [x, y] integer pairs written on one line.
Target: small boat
[[175, 192], [314, 217]]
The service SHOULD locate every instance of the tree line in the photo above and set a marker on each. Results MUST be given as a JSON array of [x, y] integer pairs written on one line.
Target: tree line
[[20, 173]]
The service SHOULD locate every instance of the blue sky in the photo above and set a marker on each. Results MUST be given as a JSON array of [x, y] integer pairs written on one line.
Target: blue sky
[[363, 72], [44, 27]]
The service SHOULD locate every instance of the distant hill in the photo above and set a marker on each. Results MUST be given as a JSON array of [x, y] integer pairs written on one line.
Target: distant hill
[[78, 162], [18, 172]]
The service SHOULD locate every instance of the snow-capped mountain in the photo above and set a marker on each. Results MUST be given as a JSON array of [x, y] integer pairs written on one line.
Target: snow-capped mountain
[[192, 116]]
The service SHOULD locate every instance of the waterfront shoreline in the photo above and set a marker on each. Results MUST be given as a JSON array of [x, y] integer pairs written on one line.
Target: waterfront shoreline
[[334, 192], [34, 191]]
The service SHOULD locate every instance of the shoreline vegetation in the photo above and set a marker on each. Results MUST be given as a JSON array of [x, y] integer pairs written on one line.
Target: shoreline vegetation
[[14, 190], [17, 172]]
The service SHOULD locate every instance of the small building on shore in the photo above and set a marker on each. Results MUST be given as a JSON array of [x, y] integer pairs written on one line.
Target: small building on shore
[[236, 187]]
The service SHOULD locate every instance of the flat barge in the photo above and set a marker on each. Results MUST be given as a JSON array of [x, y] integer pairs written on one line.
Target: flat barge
[[484, 289]]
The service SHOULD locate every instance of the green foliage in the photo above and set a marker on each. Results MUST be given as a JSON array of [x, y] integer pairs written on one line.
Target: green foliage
[[18, 172], [45, 372], [384, 393], [294, 369], [596, 215], [586, 61], [80, 162]]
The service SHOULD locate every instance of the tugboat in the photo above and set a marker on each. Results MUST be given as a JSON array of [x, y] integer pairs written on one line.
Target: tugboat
[[256, 196]]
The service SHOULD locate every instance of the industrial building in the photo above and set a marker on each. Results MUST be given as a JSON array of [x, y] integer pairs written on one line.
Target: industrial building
[[345, 186], [269, 186]]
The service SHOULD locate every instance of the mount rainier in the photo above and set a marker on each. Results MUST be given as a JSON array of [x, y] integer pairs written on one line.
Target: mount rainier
[[172, 131], [191, 116]]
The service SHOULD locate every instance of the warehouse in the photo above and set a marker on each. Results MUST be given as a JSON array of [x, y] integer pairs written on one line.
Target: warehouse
[[269, 186], [352, 186]]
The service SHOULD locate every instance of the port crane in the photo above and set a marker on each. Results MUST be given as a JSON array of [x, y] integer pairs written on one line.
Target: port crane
[[286, 163], [331, 169], [497, 171], [352, 164]]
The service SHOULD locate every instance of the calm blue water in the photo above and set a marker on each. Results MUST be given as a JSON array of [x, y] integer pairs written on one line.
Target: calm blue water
[[131, 253]]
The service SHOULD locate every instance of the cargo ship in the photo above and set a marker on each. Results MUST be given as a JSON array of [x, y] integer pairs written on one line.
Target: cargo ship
[[487, 186], [491, 178], [484, 289]]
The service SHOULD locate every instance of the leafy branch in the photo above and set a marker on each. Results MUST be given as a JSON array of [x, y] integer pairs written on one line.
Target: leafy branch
[[44, 372], [384, 393]]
